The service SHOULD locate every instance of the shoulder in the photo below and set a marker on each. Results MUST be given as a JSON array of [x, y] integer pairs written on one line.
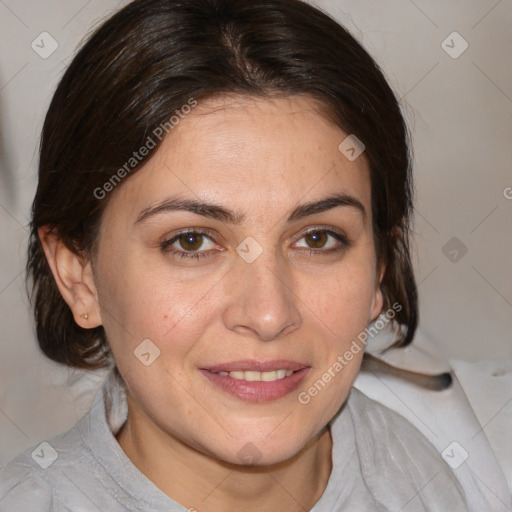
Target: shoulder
[[388, 424], [22, 487], [35, 478], [398, 462]]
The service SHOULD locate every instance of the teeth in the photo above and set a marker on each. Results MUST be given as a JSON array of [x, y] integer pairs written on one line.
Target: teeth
[[251, 376]]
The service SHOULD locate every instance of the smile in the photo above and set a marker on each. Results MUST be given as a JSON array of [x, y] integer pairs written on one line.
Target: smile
[[252, 376], [257, 381]]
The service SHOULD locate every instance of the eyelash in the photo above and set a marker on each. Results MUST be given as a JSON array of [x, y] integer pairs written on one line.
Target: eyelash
[[197, 255]]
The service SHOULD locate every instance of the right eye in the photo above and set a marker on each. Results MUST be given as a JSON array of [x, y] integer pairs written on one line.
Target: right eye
[[189, 244]]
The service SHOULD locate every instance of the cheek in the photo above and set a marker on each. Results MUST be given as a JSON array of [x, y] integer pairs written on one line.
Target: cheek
[[340, 312], [343, 301], [340, 309], [141, 300]]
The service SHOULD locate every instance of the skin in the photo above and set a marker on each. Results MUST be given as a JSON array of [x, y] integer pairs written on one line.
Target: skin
[[261, 158]]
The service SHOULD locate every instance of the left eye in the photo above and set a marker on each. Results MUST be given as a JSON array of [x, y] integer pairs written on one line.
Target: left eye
[[322, 239]]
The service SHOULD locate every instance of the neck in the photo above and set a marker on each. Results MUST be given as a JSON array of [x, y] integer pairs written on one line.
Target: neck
[[200, 482]]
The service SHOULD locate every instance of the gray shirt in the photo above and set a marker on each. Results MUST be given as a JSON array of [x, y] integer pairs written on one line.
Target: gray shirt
[[380, 462]]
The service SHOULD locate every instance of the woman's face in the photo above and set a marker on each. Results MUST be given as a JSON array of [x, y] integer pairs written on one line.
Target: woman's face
[[277, 272]]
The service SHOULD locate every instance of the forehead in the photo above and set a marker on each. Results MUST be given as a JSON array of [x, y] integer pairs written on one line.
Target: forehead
[[244, 150]]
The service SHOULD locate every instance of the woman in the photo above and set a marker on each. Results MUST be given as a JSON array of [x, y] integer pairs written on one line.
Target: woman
[[222, 209]]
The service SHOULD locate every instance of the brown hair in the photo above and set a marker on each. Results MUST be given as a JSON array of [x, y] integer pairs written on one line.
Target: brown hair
[[150, 59]]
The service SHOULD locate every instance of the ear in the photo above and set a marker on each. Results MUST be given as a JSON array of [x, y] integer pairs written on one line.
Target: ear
[[378, 299], [74, 279]]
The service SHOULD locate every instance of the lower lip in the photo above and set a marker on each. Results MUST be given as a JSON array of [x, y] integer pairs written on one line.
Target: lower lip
[[258, 391]]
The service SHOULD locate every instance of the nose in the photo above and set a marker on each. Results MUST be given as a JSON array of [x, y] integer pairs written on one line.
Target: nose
[[261, 301]]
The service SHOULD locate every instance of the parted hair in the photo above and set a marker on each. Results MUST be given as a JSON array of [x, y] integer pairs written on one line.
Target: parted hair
[[148, 60]]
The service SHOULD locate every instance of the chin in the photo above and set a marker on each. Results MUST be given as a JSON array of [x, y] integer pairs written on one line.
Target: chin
[[260, 453]]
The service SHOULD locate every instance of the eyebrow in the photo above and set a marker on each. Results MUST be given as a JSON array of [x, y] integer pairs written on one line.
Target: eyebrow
[[217, 212]]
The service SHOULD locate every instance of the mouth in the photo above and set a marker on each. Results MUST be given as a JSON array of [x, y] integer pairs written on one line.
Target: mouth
[[257, 381], [253, 376]]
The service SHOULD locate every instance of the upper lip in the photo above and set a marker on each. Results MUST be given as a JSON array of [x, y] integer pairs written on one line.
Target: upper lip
[[256, 366]]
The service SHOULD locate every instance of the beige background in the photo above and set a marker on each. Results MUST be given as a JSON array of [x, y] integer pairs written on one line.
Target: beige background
[[460, 113]]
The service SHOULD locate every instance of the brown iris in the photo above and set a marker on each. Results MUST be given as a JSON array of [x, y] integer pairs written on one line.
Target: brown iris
[[316, 239], [191, 241]]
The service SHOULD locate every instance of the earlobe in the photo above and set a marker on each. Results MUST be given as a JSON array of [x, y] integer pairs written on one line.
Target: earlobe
[[378, 302], [74, 279], [378, 299]]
